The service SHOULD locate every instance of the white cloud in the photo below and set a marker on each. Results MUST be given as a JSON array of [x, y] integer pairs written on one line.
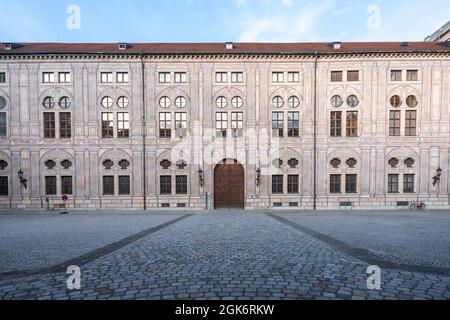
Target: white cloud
[[289, 26]]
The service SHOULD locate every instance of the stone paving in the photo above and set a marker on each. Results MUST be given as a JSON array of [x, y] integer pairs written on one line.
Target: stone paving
[[228, 255]]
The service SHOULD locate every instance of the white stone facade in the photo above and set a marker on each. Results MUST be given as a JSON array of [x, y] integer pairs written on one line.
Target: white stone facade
[[24, 146]]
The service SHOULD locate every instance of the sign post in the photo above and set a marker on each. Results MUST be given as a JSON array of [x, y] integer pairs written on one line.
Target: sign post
[[65, 198]]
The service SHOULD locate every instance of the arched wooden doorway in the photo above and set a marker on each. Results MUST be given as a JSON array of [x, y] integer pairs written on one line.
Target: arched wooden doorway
[[229, 185]]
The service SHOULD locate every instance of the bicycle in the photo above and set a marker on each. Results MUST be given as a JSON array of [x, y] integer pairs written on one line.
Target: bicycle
[[417, 206]]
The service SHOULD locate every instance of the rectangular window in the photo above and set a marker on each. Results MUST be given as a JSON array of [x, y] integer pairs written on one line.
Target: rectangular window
[[122, 77], [408, 183], [352, 123], [237, 124], [48, 77], [394, 123], [124, 185], [353, 75], [293, 124], [336, 123], [411, 122], [393, 183], [64, 77], [293, 76], [165, 184], [335, 183], [412, 75], [181, 185], [2, 77], [351, 183], [2, 124], [4, 186], [107, 125], [108, 185], [65, 125], [237, 77], [336, 76], [123, 125], [293, 183], [49, 125], [180, 77], [277, 76], [165, 125], [66, 185], [164, 77], [106, 77], [50, 185], [221, 124], [278, 124], [221, 77], [277, 184], [396, 75]]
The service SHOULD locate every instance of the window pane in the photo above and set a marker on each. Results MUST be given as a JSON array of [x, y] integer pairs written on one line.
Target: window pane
[[336, 123], [107, 125], [124, 185], [293, 124], [65, 123], [353, 76], [394, 123], [293, 183], [165, 184], [336, 76], [352, 123], [396, 75], [278, 124], [165, 125], [49, 125], [66, 185], [393, 183], [335, 183], [2, 77], [108, 185], [408, 183], [50, 185], [277, 184], [351, 183], [2, 124], [412, 75], [410, 124], [4, 186], [181, 185]]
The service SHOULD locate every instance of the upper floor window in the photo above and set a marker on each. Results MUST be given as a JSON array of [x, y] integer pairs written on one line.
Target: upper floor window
[[165, 125], [412, 75], [65, 125], [164, 77], [353, 75], [122, 77], [221, 124], [49, 125], [48, 77], [336, 123], [410, 122], [237, 124], [237, 77], [293, 77], [221, 77], [293, 124], [394, 122], [180, 77], [277, 76], [123, 125], [107, 125], [2, 77], [2, 124], [64, 77], [396, 75], [277, 124], [106, 77], [352, 123], [336, 76]]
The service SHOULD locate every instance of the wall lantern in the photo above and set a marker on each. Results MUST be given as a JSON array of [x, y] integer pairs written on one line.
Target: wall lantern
[[258, 177], [23, 181], [437, 177], [201, 177]]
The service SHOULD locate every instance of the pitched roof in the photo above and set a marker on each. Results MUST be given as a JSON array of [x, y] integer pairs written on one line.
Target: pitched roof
[[220, 48]]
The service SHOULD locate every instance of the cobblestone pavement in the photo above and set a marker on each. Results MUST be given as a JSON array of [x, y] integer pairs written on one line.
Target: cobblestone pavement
[[229, 255]]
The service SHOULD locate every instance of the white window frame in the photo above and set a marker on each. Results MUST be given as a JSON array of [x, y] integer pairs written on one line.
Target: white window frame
[[277, 76], [293, 76], [64, 77], [237, 77], [106, 77], [164, 77], [221, 77], [180, 77], [122, 77], [48, 77]]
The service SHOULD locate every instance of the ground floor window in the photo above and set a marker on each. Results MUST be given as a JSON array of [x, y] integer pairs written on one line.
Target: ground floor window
[[165, 184], [124, 185], [351, 183], [66, 185], [408, 183], [50, 185], [181, 184], [4, 186], [293, 183], [393, 183], [108, 185], [335, 183], [277, 184]]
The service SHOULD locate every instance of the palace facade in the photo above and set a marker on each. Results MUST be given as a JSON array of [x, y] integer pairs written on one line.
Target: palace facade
[[225, 125]]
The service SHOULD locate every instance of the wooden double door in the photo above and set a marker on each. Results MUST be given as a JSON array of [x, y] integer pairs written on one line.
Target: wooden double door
[[229, 186]]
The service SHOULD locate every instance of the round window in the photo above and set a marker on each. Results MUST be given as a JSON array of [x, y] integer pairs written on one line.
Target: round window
[[237, 102], [294, 102], [2, 102], [336, 101], [65, 102], [48, 102], [352, 101], [277, 102], [107, 102], [396, 101], [412, 101], [164, 102], [180, 102], [123, 102], [221, 102]]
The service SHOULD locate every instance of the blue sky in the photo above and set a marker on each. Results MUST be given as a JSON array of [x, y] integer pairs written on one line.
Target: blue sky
[[222, 20]]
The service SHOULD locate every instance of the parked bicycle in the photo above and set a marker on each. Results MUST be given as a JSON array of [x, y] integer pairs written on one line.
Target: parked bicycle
[[417, 206]]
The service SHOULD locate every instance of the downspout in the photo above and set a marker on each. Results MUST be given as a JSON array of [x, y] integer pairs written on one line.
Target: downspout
[[144, 133], [316, 56]]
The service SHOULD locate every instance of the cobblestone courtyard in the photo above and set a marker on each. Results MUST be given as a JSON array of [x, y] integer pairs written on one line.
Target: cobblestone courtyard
[[226, 255]]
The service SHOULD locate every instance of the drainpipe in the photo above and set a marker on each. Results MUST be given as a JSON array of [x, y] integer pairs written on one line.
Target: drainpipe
[[316, 57], [144, 133]]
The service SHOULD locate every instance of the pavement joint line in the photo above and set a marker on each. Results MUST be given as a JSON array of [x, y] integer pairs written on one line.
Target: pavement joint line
[[363, 255], [92, 255]]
